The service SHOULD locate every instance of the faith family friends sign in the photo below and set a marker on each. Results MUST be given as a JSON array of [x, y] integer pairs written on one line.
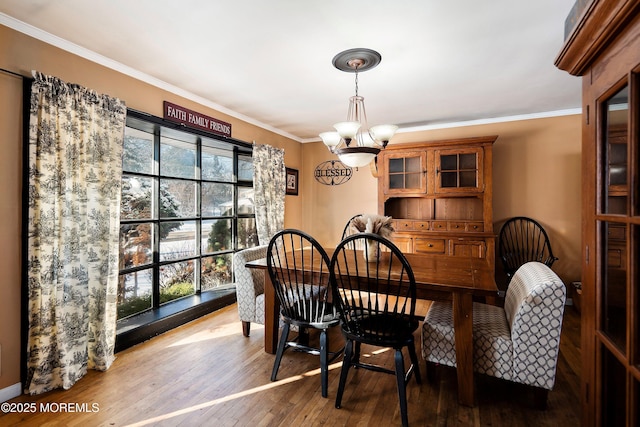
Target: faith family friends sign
[[193, 119]]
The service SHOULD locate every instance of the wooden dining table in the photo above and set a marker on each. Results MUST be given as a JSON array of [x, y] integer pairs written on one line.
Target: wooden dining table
[[438, 278]]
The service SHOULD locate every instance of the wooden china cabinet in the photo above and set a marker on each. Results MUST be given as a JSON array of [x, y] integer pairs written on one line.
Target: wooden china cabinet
[[440, 196], [603, 46]]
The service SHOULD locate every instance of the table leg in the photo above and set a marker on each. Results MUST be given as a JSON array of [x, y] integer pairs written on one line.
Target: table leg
[[271, 316], [463, 326]]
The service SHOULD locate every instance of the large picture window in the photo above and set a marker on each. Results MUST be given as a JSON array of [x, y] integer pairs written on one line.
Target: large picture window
[[187, 206]]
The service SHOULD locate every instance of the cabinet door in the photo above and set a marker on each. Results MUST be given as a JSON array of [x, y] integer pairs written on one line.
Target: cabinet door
[[468, 248], [405, 244], [459, 170], [405, 172]]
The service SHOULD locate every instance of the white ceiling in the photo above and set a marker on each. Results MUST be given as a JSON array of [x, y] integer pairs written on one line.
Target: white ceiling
[[443, 61]]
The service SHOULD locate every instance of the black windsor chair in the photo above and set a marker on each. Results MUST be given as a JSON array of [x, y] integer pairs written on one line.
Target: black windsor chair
[[376, 301], [522, 240], [299, 270]]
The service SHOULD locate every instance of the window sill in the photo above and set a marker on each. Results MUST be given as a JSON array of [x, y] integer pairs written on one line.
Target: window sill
[[139, 328]]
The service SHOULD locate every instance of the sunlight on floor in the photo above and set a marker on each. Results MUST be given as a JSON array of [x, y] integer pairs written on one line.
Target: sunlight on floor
[[210, 403], [225, 330]]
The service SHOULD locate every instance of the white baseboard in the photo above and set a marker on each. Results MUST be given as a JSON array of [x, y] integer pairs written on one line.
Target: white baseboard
[[10, 392]]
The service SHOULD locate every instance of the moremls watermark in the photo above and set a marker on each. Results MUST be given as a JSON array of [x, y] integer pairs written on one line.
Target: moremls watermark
[[50, 407]]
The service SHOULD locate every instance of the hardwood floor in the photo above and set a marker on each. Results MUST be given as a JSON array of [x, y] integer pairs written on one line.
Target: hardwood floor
[[206, 373]]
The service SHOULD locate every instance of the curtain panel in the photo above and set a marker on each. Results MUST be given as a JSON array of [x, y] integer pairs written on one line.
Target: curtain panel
[[269, 178], [75, 167]]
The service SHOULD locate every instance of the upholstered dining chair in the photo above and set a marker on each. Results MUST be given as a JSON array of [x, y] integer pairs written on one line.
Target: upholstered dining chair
[[299, 270], [375, 292], [249, 287], [518, 343]]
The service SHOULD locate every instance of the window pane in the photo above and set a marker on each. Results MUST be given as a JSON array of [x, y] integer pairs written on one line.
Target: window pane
[[412, 164], [177, 158], [468, 179], [217, 199], [176, 281], [247, 233], [614, 385], [449, 179], [614, 283], [177, 198], [245, 168], [217, 164], [177, 240], [396, 165], [615, 154], [245, 201], [135, 245], [468, 161], [138, 151], [216, 235], [216, 272], [134, 292], [449, 162], [137, 199]]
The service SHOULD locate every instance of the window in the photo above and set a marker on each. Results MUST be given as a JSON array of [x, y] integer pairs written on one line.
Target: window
[[187, 206]]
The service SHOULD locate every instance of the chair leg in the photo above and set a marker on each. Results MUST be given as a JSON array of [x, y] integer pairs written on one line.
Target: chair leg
[[540, 397], [431, 372], [402, 387], [324, 369], [414, 362], [281, 347], [246, 327], [356, 354], [346, 364]]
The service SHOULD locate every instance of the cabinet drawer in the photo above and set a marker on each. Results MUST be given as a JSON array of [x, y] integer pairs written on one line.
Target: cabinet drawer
[[456, 225], [404, 225], [617, 257], [439, 225], [430, 246], [475, 226], [616, 232], [421, 225]]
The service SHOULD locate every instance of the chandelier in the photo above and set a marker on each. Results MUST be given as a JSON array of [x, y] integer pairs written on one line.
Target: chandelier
[[355, 144]]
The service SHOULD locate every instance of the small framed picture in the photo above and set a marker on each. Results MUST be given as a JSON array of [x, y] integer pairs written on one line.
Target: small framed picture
[[292, 181]]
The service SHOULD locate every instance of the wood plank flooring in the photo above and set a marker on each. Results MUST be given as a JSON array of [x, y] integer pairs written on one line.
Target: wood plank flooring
[[206, 373]]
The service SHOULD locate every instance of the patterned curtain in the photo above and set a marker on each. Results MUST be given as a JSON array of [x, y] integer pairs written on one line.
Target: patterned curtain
[[269, 185], [75, 168]]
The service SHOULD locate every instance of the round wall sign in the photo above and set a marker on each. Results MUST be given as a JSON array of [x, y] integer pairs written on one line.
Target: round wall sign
[[333, 172]]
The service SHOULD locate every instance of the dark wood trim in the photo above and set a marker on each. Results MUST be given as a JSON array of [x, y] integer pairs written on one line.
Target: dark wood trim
[[600, 23], [144, 326]]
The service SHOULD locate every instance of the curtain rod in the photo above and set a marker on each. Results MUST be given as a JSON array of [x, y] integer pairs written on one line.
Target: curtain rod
[[13, 73]]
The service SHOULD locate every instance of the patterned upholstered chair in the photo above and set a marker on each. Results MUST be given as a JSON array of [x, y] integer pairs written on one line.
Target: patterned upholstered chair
[[249, 287], [519, 342]]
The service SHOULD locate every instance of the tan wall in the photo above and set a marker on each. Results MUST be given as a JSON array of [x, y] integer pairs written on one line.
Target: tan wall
[[536, 171]]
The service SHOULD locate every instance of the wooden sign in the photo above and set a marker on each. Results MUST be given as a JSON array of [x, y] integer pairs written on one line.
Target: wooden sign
[[193, 119]]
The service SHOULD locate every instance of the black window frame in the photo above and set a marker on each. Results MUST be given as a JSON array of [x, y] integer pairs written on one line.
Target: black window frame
[[162, 317]]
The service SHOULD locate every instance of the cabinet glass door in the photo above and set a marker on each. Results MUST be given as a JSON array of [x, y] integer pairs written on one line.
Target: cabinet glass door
[[406, 173], [619, 242], [459, 170]]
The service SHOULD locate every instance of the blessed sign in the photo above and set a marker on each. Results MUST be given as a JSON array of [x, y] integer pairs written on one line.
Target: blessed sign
[[332, 172], [193, 119]]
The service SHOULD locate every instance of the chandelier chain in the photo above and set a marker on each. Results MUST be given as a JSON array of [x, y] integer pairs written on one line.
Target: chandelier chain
[[356, 80]]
